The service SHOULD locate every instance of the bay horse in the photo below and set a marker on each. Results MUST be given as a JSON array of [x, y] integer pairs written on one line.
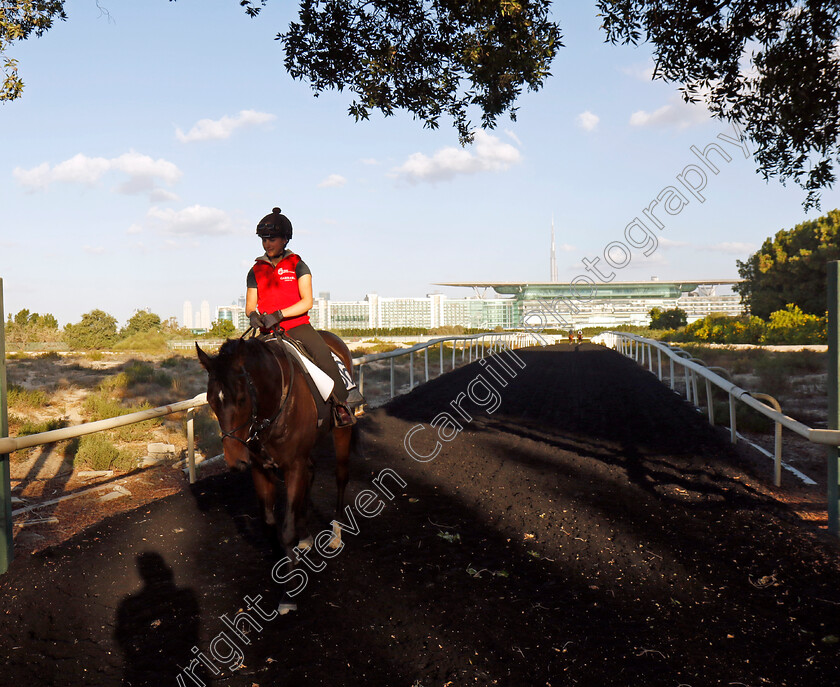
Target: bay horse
[[270, 422]]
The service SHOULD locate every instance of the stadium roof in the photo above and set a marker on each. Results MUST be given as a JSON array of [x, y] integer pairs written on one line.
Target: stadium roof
[[585, 291]]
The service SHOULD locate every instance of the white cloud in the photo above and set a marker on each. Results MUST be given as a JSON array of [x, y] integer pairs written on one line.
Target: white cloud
[[94, 250], [134, 229], [369, 161], [513, 136], [142, 173], [216, 129], [677, 114], [195, 220], [732, 248], [486, 154], [670, 243], [643, 71], [587, 120], [333, 181], [565, 248]]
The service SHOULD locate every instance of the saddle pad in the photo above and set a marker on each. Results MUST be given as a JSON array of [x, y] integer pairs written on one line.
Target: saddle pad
[[322, 380]]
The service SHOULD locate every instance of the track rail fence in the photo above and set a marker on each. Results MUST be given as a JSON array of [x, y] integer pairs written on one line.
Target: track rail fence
[[696, 380], [470, 347]]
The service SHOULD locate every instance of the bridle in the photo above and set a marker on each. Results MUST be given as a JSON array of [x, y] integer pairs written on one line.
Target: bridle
[[257, 425]]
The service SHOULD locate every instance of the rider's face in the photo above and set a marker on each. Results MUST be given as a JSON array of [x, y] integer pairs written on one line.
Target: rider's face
[[274, 247]]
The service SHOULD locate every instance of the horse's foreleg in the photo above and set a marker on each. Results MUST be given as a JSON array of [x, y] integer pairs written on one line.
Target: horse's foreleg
[[298, 479], [266, 492], [342, 440]]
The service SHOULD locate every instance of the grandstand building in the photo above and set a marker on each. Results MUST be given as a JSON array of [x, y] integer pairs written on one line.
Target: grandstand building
[[557, 305]]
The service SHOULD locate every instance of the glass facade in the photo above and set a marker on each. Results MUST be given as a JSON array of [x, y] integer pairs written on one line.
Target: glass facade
[[551, 311]]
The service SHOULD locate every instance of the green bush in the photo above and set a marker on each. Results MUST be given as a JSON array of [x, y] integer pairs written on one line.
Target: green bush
[[136, 372], [788, 326], [97, 330], [792, 326], [24, 427], [100, 406], [98, 452], [667, 319], [144, 342], [18, 397]]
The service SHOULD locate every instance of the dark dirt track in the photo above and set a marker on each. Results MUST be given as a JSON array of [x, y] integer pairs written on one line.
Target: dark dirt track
[[598, 532]]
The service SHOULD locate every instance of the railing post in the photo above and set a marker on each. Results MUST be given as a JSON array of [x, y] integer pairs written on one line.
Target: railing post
[[709, 404], [426, 356], [191, 443], [659, 362], [362, 379], [833, 331], [733, 427], [410, 370], [687, 384], [671, 377], [694, 387], [454, 348], [441, 357], [650, 358], [777, 473], [393, 387], [7, 543]]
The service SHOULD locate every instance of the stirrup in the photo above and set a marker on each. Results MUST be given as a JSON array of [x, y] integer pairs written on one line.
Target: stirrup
[[342, 416], [355, 399]]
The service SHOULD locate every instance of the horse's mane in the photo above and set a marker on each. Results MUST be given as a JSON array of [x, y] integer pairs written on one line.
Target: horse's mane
[[234, 350]]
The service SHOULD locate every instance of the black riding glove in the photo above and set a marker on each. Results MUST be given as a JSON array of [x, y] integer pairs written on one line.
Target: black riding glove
[[257, 320], [272, 319]]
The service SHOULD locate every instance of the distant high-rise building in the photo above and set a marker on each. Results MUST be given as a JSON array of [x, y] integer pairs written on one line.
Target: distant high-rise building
[[205, 315], [188, 315]]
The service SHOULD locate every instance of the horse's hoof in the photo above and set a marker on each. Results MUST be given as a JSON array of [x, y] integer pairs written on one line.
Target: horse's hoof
[[282, 609], [335, 542], [305, 544]]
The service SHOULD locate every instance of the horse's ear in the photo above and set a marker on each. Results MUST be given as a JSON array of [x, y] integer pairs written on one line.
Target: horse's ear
[[203, 358]]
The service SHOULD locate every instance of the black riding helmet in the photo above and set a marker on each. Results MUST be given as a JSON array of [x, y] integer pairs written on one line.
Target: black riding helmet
[[274, 226]]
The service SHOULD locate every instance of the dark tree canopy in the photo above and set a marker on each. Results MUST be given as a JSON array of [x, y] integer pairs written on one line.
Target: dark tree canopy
[[773, 66], [430, 58], [791, 267]]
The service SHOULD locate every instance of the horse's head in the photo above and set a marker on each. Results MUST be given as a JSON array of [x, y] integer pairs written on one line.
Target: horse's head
[[229, 397]]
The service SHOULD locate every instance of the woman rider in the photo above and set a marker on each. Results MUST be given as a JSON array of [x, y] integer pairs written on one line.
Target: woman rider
[[280, 293]]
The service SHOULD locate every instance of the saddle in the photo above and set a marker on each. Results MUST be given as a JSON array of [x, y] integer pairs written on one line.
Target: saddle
[[320, 383]]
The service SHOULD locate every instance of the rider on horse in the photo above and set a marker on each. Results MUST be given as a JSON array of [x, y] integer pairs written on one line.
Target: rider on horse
[[279, 295]]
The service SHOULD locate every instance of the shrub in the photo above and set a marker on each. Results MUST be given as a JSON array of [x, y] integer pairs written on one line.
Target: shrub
[[667, 319], [21, 427], [18, 397], [97, 330], [135, 372], [98, 452], [145, 342], [792, 326]]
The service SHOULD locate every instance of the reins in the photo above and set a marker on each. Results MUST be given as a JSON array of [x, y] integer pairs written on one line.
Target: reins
[[258, 426]]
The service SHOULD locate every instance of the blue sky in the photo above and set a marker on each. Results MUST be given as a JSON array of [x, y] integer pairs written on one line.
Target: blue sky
[[150, 141]]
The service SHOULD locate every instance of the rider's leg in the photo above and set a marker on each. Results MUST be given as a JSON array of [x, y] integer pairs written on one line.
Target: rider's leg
[[319, 350]]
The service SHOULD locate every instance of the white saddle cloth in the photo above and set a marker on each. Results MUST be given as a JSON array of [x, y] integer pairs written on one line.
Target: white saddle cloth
[[322, 380]]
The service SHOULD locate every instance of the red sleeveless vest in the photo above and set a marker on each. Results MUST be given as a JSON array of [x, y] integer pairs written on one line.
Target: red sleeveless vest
[[277, 288]]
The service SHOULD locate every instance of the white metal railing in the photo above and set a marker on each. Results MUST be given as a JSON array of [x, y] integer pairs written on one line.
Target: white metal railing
[[641, 350], [473, 348]]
